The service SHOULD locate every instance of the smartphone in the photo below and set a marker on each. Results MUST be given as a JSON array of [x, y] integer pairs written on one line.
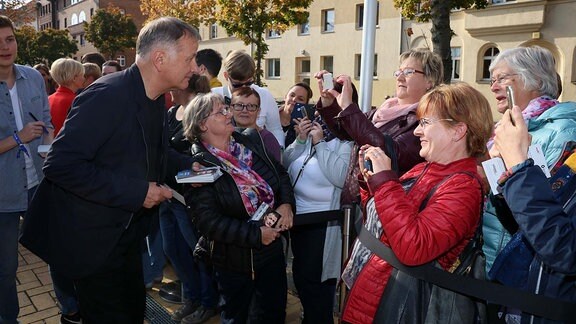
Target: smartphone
[[303, 110], [510, 99], [327, 81], [368, 164]]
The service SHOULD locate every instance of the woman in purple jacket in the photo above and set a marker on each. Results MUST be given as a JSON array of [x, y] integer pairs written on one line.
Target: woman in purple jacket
[[420, 70]]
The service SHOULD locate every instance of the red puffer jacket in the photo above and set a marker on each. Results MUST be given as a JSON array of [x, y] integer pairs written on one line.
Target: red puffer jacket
[[440, 231]]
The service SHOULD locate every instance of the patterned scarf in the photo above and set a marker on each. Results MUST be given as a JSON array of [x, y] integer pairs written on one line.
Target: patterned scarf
[[238, 163], [535, 108]]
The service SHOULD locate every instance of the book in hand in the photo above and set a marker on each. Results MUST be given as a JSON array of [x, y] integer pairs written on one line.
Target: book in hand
[[206, 175], [266, 216]]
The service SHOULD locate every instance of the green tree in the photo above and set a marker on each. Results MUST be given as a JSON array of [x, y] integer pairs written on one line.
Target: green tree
[[26, 38], [44, 46], [19, 11], [52, 44], [438, 12], [248, 20], [111, 31]]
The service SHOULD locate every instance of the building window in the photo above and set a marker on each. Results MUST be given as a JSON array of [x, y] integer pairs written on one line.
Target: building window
[[82, 42], [91, 12], [65, 22], [489, 55], [81, 17], [360, 15], [501, 1], [74, 20], [327, 63], [305, 66], [358, 66], [328, 21], [272, 33], [121, 60], [273, 68], [213, 31], [456, 63], [304, 29]]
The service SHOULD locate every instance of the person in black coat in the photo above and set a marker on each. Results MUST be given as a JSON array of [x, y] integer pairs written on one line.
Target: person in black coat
[[102, 176], [248, 259]]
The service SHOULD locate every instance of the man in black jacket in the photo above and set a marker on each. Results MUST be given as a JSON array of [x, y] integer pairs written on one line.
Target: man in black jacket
[[103, 176]]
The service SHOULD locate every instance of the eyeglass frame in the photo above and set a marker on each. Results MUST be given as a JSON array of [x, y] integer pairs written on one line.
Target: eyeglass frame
[[407, 72], [224, 112], [502, 77], [255, 107], [423, 122]]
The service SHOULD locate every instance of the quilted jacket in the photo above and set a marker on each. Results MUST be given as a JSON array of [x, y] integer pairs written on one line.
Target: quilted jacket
[[219, 213], [553, 129], [439, 232]]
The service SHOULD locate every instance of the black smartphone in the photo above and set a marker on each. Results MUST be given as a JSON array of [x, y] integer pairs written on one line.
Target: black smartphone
[[367, 164], [511, 102], [303, 110]]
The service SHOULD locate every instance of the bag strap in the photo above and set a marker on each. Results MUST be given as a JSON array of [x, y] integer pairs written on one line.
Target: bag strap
[[538, 305]]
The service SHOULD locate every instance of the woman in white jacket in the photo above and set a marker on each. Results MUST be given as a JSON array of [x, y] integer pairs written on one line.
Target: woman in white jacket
[[317, 163]]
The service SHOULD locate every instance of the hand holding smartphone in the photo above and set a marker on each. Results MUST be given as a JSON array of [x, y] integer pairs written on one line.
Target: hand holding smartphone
[[327, 81], [511, 103], [368, 164]]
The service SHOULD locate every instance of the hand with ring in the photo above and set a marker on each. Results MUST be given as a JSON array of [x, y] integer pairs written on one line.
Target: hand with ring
[[380, 161]]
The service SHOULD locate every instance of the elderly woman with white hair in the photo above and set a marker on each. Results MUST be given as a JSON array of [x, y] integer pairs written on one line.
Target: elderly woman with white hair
[[69, 74], [531, 73], [247, 256]]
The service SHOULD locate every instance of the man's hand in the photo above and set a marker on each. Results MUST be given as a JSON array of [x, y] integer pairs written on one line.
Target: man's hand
[[287, 220], [269, 235], [156, 194], [31, 131]]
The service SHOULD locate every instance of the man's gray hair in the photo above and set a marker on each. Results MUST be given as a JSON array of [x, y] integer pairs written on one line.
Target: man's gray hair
[[165, 32]]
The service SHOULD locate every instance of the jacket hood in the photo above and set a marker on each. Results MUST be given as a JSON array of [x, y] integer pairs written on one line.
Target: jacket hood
[[564, 110]]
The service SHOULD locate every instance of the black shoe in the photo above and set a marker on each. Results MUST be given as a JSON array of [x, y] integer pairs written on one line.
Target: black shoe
[[71, 319], [188, 308], [201, 315]]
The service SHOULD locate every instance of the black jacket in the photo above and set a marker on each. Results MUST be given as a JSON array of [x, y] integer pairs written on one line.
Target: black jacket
[[96, 177], [219, 213]]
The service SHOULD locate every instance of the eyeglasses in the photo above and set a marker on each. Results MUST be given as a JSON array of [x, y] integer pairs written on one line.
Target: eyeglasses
[[224, 112], [429, 121], [407, 72], [502, 77], [241, 84], [241, 106]]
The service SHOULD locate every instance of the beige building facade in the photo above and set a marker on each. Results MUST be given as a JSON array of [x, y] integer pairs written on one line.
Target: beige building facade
[[71, 15], [332, 40]]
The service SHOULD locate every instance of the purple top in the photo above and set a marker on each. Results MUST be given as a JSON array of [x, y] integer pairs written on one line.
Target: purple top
[[271, 143]]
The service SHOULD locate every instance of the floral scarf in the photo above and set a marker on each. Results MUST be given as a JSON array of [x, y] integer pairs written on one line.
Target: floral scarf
[[238, 162], [535, 108]]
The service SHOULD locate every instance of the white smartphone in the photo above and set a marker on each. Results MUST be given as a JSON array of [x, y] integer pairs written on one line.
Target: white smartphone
[[511, 103], [327, 81]]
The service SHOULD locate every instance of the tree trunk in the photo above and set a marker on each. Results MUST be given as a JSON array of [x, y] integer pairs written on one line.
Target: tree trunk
[[442, 34]]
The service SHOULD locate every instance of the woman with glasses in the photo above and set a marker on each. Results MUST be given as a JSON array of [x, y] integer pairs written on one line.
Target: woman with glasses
[[455, 121], [246, 255], [420, 71], [531, 73], [245, 107]]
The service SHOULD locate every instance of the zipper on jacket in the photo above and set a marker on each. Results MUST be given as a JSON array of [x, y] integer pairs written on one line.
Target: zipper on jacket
[[252, 264]]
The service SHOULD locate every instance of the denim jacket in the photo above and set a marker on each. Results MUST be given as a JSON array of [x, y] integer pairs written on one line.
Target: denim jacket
[[33, 99]]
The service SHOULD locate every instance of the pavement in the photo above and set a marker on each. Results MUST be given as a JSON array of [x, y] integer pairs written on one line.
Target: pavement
[[38, 301]]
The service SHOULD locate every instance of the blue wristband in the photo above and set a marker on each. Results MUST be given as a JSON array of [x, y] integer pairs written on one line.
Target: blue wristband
[[21, 147]]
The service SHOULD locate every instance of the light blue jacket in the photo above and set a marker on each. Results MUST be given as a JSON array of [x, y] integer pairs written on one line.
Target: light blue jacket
[[33, 99], [553, 129]]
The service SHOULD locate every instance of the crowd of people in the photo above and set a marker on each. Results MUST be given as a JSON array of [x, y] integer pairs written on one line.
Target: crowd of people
[[101, 207]]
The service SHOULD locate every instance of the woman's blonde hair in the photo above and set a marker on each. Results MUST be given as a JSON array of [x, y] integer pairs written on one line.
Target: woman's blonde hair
[[63, 70], [463, 104]]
